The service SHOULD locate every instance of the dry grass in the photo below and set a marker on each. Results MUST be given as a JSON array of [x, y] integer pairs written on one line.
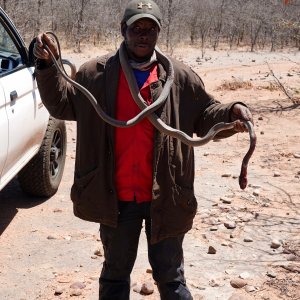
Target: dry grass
[[235, 85]]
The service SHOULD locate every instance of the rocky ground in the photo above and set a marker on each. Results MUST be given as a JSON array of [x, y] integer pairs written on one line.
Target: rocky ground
[[243, 245]]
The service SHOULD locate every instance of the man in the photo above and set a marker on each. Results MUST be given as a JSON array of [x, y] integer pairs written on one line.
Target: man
[[126, 175]]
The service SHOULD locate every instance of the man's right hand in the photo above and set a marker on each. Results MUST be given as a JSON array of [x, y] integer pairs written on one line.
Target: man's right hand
[[40, 52]]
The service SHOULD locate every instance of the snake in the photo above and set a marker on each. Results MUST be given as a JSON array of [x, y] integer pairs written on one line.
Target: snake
[[147, 111]]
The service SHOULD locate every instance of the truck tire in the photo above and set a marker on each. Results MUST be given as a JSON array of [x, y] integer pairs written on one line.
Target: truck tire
[[42, 175]]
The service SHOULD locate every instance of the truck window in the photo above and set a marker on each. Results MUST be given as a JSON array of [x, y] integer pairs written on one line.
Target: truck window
[[10, 57]]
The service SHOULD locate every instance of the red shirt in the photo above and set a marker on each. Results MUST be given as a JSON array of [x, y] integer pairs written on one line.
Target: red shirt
[[134, 145]]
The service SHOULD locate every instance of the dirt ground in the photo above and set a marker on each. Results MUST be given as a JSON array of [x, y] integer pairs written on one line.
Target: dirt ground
[[45, 250]]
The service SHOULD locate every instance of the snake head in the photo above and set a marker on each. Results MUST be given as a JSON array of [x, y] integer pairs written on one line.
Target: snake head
[[243, 181]]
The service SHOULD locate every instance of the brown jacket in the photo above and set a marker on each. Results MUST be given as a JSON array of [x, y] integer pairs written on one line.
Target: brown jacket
[[188, 108]]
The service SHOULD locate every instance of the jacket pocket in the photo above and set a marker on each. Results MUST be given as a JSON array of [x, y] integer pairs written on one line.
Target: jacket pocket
[[185, 198], [81, 184]]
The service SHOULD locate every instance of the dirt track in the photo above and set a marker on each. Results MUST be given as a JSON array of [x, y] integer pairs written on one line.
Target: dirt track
[[44, 248]]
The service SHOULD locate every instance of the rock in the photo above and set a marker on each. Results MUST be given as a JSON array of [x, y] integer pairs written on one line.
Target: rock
[[277, 174], [238, 283], [137, 287], [94, 278], [250, 288], [58, 291], [98, 252], [52, 237], [57, 210], [296, 155], [275, 244], [225, 200], [230, 225], [244, 275], [94, 257], [226, 175], [262, 132], [211, 250], [214, 228], [271, 274], [149, 271], [225, 244], [260, 118], [77, 285], [147, 288], [256, 192], [214, 283], [75, 293], [205, 153], [248, 240], [63, 279]]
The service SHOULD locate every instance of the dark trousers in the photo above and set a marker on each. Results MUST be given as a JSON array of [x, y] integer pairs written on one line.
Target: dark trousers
[[120, 250]]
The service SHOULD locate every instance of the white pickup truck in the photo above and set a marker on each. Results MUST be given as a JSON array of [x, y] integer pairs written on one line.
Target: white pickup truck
[[32, 144]]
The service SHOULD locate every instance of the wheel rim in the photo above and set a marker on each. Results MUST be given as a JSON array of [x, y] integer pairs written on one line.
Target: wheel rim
[[56, 153]]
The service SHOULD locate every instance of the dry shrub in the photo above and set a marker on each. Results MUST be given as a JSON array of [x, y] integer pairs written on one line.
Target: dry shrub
[[273, 86], [235, 85]]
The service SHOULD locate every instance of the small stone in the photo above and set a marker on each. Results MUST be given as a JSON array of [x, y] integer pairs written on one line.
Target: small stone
[[75, 293], [276, 174], [68, 238], [238, 283], [214, 228], [211, 250], [225, 244], [205, 153], [260, 118], [297, 155], [137, 287], [147, 288], [271, 274], [248, 240], [262, 132], [94, 278], [77, 285], [214, 283], [98, 252], [230, 225], [250, 288], [57, 210], [275, 244], [63, 279], [51, 237], [256, 192], [149, 271], [226, 175], [58, 291], [225, 200], [94, 257], [244, 275]]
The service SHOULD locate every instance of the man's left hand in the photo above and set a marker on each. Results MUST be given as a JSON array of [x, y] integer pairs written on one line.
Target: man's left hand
[[240, 112]]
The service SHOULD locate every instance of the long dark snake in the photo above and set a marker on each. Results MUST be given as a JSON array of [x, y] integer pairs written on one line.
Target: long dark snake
[[148, 111]]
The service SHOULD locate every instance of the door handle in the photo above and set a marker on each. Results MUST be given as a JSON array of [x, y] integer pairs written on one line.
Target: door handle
[[13, 95]]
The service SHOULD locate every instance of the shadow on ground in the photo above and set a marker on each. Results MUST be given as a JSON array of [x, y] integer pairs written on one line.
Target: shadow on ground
[[12, 198]]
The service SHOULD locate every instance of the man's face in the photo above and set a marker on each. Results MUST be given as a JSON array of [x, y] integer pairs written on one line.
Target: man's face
[[140, 38]]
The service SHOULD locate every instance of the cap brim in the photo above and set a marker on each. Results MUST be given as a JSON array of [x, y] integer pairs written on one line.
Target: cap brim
[[141, 16]]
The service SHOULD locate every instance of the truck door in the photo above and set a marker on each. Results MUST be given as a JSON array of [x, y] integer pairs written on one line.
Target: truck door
[[27, 117]]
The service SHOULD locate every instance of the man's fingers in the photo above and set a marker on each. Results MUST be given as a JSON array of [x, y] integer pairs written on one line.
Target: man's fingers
[[240, 126]]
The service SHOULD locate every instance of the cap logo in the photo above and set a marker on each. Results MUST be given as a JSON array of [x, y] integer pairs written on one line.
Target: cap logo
[[141, 5]]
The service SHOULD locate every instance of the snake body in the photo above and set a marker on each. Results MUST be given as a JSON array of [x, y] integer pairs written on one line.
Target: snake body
[[148, 111]]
